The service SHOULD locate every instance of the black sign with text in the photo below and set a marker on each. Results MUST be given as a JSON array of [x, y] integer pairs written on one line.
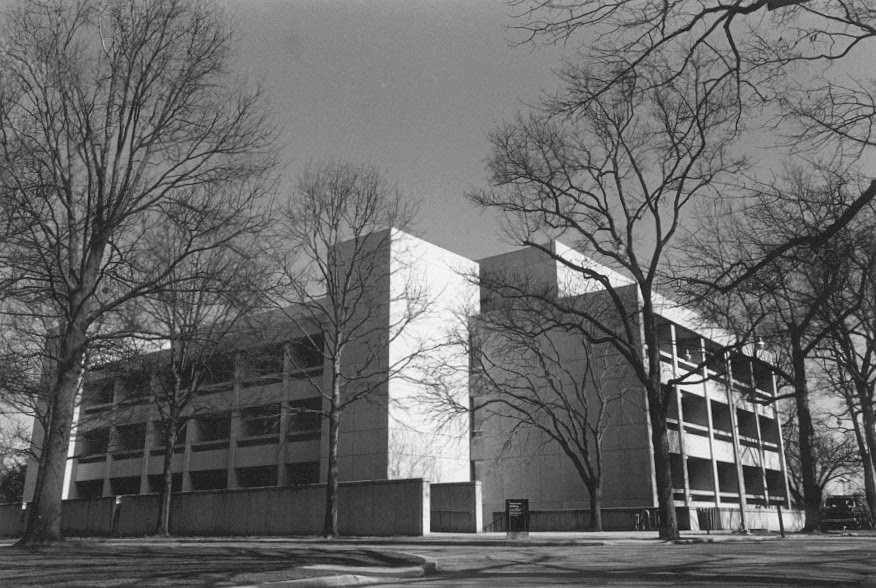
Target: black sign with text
[[517, 515]]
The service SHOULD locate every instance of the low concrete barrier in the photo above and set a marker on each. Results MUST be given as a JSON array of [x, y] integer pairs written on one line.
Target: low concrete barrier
[[136, 516], [12, 519], [729, 519], [633, 519], [613, 519], [456, 508], [88, 517], [373, 508]]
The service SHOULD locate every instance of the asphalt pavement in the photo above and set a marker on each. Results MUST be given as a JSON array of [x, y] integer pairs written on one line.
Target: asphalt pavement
[[489, 559]]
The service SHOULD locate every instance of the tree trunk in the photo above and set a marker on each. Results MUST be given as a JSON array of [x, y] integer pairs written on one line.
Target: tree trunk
[[867, 462], [808, 474], [595, 492], [44, 518], [657, 415], [330, 526], [167, 481], [663, 472]]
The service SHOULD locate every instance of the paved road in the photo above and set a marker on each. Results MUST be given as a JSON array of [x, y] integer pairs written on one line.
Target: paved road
[[817, 561], [159, 563], [632, 560]]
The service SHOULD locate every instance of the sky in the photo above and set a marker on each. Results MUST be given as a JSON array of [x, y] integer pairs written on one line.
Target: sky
[[410, 86]]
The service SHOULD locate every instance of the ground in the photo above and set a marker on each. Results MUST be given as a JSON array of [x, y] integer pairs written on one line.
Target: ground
[[607, 559]]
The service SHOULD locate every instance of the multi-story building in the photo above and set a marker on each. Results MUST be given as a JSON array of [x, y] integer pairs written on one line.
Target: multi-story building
[[724, 433], [256, 423]]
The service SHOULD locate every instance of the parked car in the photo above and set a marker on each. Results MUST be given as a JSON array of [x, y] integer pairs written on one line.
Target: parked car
[[845, 511]]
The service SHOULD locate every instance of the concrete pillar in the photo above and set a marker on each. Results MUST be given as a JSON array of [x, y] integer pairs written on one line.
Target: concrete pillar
[[679, 408], [716, 487]]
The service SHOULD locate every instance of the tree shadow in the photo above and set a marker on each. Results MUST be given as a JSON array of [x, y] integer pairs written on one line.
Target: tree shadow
[[90, 564]]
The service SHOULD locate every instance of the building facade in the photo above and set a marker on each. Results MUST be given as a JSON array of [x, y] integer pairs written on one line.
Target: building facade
[[724, 433], [256, 420]]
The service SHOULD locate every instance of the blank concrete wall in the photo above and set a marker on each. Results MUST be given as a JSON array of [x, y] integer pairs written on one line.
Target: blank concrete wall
[[137, 515], [88, 517], [378, 508], [390, 507], [613, 519], [11, 519], [258, 511], [456, 508]]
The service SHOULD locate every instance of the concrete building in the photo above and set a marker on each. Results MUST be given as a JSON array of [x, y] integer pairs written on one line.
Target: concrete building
[[725, 439], [250, 424], [252, 428]]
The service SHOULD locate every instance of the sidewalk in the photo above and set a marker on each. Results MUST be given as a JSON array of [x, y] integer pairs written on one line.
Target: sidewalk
[[540, 539]]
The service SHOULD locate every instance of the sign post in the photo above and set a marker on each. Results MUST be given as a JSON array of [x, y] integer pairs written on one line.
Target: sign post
[[517, 518]]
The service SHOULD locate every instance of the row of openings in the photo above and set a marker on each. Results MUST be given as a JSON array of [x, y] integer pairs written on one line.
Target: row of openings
[[694, 411], [304, 422], [300, 358], [692, 350], [248, 477], [702, 481]]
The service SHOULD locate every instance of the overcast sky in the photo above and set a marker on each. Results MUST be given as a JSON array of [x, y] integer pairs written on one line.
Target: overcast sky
[[412, 86]]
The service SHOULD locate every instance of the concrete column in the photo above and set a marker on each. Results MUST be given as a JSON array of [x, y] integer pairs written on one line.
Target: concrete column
[[712, 461], [679, 408], [144, 460], [187, 456], [283, 452], [107, 487], [786, 503], [234, 425], [766, 488], [233, 435]]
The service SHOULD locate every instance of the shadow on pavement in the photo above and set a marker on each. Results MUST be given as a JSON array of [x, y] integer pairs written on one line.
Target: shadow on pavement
[[76, 564]]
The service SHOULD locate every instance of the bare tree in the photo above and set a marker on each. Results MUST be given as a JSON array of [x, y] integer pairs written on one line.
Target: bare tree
[[835, 454], [786, 300], [13, 457], [351, 300], [847, 355], [191, 321], [771, 51], [841, 384], [783, 60], [616, 178], [115, 118]]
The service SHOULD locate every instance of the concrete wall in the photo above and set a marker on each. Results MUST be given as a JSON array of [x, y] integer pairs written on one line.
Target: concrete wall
[[379, 508], [523, 462], [88, 518], [431, 290], [12, 519], [613, 519], [629, 519], [456, 508], [728, 519]]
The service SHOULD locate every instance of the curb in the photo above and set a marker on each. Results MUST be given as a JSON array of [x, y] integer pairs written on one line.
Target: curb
[[697, 541], [356, 575], [482, 543], [340, 580]]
